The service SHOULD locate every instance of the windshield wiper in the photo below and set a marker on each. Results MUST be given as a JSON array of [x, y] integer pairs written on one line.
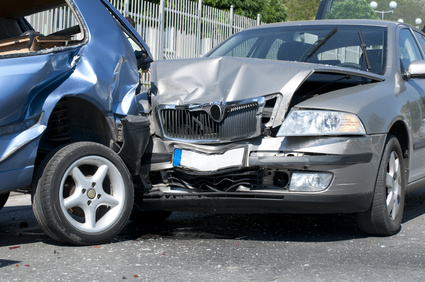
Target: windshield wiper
[[363, 46], [319, 43]]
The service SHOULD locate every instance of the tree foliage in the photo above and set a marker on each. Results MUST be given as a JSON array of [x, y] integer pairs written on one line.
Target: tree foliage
[[270, 10], [408, 10], [301, 10], [352, 9]]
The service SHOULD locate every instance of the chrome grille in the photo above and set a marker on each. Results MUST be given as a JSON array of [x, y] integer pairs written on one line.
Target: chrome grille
[[240, 121]]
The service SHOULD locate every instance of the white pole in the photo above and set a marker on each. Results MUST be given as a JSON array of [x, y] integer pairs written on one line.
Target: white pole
[[198, 30], [161, 30], [231, 20]]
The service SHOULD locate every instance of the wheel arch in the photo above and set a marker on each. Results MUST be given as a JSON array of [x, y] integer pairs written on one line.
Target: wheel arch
[[400, 131], [72, 120]]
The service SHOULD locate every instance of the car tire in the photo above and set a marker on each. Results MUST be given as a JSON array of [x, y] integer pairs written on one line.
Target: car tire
[[84, 195], [3, 199], [384, 216]]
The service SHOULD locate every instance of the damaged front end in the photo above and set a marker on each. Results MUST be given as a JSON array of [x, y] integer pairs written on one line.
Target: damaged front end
[[217, 139]]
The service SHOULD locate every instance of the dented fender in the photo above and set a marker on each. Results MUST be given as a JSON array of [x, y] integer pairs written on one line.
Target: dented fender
[[224, 79]]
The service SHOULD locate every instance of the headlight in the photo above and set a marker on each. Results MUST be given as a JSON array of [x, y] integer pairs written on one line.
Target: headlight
[[314, 123], [310, 181]]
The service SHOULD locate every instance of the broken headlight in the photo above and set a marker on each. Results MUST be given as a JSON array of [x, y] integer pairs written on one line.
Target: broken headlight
[[315, 123]]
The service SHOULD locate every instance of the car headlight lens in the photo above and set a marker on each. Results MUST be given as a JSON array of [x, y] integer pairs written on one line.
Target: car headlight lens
[[314, 123], [310, 182]]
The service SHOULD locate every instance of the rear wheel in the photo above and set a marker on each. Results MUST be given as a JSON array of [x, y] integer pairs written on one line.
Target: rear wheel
[[3, 199], [386, 212], [84, 195]]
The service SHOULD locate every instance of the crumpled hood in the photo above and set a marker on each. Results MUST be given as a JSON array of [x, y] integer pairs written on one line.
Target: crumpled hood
[[204, 80]]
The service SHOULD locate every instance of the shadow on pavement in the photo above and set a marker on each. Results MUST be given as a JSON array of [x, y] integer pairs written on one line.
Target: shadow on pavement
[[6, 262], [262, 227], [267, 227], [18, 226], [415, 205]]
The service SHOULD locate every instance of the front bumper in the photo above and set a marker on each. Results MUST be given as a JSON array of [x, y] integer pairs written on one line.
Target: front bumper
[[352, 161]]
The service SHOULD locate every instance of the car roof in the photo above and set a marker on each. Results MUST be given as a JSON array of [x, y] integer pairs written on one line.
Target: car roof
[[20, 8], [335, 22]]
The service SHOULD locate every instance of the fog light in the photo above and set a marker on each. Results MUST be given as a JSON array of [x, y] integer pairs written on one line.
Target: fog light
[[309, 182]]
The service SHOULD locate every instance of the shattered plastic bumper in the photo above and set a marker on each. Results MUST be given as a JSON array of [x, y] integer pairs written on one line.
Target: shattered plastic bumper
[[352, 163]]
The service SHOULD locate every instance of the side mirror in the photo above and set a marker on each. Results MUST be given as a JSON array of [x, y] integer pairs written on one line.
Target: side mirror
[[416, 70], [143, 60]]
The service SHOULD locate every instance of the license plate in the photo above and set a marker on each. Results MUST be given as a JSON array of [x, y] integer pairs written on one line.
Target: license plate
[[208, 162]]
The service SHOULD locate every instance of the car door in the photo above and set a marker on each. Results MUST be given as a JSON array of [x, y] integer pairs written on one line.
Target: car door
[[414, 109], [143, 55], [31, 65]]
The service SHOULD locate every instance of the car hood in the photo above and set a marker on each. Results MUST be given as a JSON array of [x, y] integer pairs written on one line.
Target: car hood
[[223, 79]]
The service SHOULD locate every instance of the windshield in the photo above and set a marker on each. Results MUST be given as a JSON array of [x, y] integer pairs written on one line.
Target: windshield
[[331, 45]]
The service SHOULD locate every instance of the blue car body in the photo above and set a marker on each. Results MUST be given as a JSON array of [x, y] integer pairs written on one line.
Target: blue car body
[[78, 91]]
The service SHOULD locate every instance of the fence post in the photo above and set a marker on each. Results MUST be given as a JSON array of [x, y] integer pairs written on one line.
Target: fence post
[[198, 31], [258, 19], [161, 30], [126, 8], [231, 21]]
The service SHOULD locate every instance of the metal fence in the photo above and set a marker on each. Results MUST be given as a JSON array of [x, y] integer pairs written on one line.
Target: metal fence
[[52, 20], [182, 28], [173, 29]]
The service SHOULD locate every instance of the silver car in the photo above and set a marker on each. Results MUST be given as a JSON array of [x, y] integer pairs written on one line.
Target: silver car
[[302, 117]]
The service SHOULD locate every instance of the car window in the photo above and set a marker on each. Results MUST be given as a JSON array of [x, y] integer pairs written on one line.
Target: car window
[[409, 50], [343, 46], [239, 47], [274, 49], [421, 39], [348, 54], [38, 28]]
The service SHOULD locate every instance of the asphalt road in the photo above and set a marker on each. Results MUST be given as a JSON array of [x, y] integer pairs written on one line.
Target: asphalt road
[[213, 247]]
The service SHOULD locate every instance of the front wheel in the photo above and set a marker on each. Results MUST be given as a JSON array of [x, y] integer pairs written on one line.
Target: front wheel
[[84, 195], [384, 216]]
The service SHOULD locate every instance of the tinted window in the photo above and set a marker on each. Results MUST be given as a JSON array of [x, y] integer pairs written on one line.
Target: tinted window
[[409, 50], [421, 39]]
